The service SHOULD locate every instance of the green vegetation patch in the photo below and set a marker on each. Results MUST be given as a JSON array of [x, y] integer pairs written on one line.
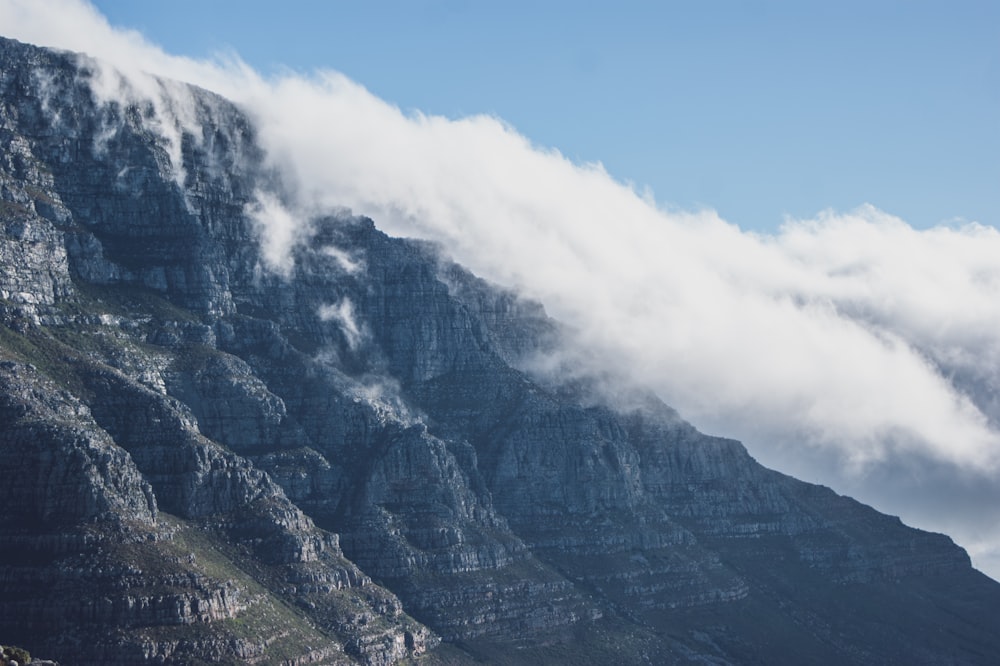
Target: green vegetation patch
[[269, 624], [126, 301]]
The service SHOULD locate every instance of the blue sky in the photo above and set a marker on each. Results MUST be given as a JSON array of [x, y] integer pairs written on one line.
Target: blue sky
[[755, 108]]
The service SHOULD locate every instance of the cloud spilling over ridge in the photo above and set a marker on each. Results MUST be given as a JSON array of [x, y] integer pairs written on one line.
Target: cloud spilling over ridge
[[849, 331], [850, 348]]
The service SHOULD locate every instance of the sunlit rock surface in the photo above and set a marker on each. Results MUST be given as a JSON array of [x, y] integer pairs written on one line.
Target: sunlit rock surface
[[209, 458]]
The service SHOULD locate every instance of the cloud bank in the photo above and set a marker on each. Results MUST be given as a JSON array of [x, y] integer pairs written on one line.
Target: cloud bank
[[850, 349]]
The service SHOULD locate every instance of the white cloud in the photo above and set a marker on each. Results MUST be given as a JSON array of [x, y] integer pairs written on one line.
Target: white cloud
[[343, 314], [842, 348], [796, 333], [76, 25], [347, 261], [279, 229]]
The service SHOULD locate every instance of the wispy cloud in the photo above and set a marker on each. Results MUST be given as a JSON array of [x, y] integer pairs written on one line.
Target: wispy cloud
[[342, 313], [850, 348], [279, 227]]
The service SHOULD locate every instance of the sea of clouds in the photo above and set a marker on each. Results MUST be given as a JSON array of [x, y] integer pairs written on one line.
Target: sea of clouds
[[849, 349]]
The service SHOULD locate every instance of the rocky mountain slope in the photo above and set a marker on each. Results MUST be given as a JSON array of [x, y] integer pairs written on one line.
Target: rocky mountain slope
[[209, 460]]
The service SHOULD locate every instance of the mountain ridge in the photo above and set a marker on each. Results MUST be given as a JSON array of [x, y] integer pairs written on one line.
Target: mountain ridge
[[345, 462]]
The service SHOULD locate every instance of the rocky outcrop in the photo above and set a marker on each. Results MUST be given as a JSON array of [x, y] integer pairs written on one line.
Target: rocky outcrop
[[209, 461], [84, 525]]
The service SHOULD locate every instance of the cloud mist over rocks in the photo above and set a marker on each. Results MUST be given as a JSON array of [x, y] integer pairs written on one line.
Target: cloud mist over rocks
[[850, 349]]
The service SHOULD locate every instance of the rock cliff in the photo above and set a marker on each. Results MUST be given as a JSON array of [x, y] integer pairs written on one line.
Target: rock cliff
[[206, 459]]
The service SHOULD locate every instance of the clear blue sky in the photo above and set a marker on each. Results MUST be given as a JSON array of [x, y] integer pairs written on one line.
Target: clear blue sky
[[754, 108]]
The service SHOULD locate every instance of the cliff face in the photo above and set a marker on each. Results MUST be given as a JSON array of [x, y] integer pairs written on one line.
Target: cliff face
[[206, 460]]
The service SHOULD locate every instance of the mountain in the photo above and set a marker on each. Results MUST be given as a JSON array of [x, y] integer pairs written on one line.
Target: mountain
[[210, 458]]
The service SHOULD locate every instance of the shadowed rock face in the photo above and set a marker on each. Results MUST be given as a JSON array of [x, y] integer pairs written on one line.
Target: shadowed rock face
[[206, 461]]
